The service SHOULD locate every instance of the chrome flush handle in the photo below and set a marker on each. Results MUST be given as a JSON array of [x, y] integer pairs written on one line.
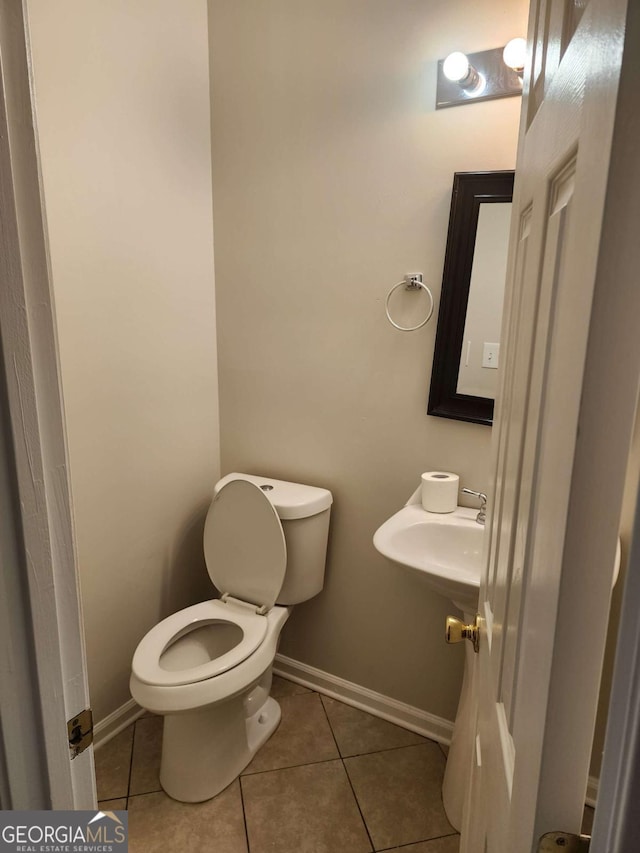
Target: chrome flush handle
[[482, 515]]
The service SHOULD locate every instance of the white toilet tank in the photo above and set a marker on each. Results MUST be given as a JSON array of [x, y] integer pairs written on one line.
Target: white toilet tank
[[304, 514]]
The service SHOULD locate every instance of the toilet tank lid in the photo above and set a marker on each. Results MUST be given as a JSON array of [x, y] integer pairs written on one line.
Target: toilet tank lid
[[290, 500]]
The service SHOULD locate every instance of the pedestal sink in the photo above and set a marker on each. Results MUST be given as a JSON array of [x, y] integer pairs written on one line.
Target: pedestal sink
[[445, 549]]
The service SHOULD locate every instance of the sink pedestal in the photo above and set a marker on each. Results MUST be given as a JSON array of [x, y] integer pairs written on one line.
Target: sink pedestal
[[460, 759], [445, 549]]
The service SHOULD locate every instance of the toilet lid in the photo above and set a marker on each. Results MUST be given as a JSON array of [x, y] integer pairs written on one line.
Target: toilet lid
[[244, 545]]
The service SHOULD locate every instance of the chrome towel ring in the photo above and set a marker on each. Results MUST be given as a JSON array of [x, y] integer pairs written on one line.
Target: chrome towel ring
[[410, 282]]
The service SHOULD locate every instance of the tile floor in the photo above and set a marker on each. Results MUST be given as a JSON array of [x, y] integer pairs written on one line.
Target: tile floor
[[331, 779]]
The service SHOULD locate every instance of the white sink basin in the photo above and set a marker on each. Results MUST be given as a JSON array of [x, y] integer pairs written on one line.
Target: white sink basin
[[444, 548]]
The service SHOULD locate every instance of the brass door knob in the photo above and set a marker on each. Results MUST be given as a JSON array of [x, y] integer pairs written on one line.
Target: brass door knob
[[456, 631]]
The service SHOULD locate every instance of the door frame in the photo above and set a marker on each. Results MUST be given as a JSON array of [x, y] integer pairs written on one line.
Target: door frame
[[617, 820], [42, 612]]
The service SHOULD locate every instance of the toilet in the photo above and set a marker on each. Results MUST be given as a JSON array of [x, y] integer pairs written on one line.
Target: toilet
[[207, 669]]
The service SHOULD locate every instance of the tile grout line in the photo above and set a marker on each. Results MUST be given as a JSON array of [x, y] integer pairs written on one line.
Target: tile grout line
[[324, 711], [244, 815], [289, 767], [325, 760], [355, 797], [386, 749], [376, 752], [421, 841], [424, 741], [133, 741], [145, 793], [346, 773]]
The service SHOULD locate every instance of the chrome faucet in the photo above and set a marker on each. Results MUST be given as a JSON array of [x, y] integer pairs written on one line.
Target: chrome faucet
[[481, 517]]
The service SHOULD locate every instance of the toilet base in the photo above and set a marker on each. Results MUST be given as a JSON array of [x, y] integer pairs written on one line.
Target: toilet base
[[204, 751], [263, 724]]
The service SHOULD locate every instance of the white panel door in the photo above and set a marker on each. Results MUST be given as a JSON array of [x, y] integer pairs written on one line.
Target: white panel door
[[560, 443]]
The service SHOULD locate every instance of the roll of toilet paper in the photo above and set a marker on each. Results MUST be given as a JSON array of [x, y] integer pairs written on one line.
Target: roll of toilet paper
[[440, 491]]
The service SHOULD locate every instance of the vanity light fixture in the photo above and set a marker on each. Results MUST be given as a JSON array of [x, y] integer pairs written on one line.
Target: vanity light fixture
[[464, 78]]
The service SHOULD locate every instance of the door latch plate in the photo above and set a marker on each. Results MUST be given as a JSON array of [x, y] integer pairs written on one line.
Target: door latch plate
[[564, 842], [80, 732]]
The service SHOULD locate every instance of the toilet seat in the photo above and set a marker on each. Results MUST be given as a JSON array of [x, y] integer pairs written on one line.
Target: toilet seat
[[146, 660], [246, 557]]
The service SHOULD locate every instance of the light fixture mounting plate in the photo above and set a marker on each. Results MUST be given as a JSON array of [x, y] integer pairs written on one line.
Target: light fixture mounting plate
[[501, 81]]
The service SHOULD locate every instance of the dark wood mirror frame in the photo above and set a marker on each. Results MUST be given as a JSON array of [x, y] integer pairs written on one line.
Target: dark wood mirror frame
[[470, 190]]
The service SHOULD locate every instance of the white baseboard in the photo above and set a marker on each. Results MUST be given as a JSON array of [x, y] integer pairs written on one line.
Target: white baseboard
[[399, 713], [592, 791], [116, 722], [407, 716]]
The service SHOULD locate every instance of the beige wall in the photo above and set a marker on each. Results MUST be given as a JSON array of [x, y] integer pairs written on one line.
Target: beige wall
[[332, 179], [122, 96]]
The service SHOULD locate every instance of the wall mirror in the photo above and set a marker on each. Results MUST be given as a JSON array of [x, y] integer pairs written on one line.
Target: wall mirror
[[466, 357]]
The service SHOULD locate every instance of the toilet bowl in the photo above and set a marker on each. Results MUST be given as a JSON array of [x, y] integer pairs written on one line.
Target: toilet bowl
[[207, 669]]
